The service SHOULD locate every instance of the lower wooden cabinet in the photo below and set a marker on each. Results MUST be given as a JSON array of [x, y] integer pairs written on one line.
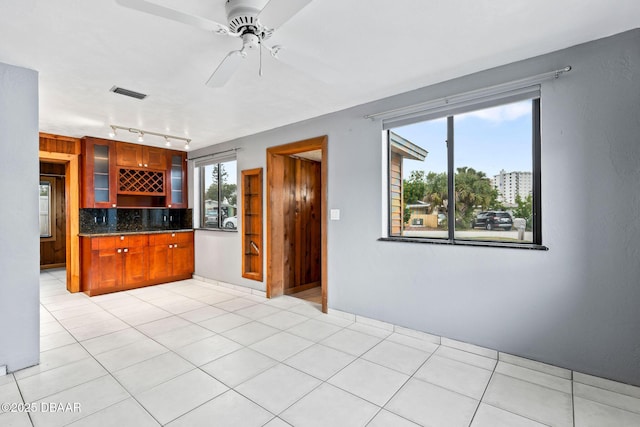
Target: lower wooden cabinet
[[115, 263], [171, 255]]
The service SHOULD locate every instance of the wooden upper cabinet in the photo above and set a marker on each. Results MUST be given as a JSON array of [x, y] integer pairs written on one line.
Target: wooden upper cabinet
[[154, 158], [98, 173], [176, 178], [140, 156], [119, 174]]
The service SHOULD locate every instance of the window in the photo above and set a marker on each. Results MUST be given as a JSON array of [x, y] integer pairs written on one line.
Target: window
[[468, 177], [46, 203], [219, 195]]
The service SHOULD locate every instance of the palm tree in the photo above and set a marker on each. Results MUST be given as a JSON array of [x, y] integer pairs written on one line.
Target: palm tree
[[472, 188]]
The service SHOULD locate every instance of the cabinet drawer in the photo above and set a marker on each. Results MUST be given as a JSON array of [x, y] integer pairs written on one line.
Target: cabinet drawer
[[136, 240], [184, 237], [100, 243], [159, 239]]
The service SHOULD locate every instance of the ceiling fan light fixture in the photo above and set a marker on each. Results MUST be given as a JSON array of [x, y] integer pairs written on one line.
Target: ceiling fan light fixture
[[140, 137]]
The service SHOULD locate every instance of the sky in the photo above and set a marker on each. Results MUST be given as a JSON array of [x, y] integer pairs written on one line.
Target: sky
[[487, 140]]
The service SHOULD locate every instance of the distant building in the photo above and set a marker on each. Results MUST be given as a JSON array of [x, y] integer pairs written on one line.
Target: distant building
[[511, 184]]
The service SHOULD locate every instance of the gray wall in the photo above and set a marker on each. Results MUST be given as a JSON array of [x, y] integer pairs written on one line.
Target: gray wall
[[574, 306], [20, 247]]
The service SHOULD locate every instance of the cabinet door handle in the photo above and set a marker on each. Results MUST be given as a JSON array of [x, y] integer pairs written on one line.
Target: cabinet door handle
[[121, 237], [119, 251], [140, 164], [175, 246], [126, 250], [170, 246], [146, 165]]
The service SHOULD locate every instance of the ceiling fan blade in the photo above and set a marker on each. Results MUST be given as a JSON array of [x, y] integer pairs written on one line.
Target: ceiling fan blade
[[307, 64], [227, 67], [174, 15], [277, 12]]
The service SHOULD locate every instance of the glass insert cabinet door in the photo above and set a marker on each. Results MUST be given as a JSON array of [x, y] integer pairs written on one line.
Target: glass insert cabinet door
[[101, 173], [177, 196]]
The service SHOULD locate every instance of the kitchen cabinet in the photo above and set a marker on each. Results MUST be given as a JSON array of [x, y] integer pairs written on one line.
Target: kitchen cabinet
[[140, 156], [120, 174], [176, 179], [115, 263], [98, 179], [171, 256]]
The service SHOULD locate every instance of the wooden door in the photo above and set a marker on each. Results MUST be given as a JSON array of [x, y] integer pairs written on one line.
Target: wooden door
[[182, 259], [154, 158], [296, 219], [106, 270], [301, 224], [183, 255], [98, 174], [160, 261], [135, 263], [176, 179], [129, 155]]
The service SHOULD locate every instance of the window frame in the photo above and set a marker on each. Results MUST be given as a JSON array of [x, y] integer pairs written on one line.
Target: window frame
[[536, 244], [202, 191], [51, 215]]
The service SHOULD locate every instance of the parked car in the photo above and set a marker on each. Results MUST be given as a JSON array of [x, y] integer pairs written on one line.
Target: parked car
[[231, 222], [491, 220], [211, 217]]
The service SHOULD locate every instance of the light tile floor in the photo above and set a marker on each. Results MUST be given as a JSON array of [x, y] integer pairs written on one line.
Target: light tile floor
[[193, 353]]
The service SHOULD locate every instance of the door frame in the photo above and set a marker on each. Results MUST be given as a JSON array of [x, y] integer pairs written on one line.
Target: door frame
[[72, 206], [318, 143]]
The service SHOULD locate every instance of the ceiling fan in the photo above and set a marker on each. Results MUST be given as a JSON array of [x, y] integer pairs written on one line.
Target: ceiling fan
[[246, 20]]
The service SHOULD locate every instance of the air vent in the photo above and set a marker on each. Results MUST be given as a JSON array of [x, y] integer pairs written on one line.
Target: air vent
[[127, 92]]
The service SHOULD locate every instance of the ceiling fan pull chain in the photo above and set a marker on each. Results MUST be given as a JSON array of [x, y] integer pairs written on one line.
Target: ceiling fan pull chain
[[260, 48]]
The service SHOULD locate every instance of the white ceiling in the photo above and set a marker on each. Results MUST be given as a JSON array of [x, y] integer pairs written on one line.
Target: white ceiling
[[376, 48]]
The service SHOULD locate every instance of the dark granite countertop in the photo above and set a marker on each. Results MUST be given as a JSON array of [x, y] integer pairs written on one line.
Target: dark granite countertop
[[124, 233]]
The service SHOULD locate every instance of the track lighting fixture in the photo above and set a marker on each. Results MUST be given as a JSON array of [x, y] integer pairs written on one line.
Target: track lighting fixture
[[141, 134]]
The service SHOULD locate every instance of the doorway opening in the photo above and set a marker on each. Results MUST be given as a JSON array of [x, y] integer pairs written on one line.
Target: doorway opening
[[71, 204], [296, 220], [53, 224]]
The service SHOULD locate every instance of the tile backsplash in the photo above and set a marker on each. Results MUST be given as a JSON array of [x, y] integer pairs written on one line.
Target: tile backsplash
[[129, 220]]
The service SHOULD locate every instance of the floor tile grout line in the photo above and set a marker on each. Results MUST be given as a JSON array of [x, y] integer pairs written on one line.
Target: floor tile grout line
[[537, 384], [23, 401], [110, 373], [480, 401], [611, 406], [519, 415], [318, 342], [609, 390], [573, 402]]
